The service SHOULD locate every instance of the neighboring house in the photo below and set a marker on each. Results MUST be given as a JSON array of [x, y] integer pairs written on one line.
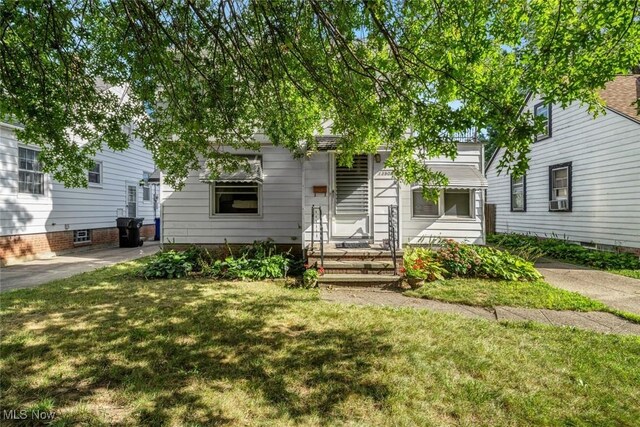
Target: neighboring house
[[39, 216], [275, 201], [583, 182]]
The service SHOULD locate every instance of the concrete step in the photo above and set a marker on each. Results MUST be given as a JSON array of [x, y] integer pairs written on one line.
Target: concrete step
[[358, 266], [359, 280], [354, 255]]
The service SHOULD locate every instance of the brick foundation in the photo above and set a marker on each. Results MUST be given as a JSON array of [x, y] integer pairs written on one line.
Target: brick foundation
[[24, 247]]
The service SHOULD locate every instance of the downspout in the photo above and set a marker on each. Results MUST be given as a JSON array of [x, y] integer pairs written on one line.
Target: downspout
[[482, 194], [303, 170]]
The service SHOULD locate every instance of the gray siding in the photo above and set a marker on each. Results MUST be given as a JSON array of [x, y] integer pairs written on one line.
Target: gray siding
[[425, 230], [186, 213], [605, 156]]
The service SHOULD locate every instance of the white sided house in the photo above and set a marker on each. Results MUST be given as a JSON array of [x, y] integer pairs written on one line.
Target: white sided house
[[313, 200], [583, 182], [40, 217]]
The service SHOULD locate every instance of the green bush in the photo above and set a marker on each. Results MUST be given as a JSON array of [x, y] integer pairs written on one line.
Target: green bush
[[462, 260], [497, 264], [168, 265], [458, 259], [566, 251], [422, 263], [258, 261], [271, 267], [310, 278], [200, 258]]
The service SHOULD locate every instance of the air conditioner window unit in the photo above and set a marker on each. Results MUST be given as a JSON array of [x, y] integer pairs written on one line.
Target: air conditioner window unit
[[559, 205]]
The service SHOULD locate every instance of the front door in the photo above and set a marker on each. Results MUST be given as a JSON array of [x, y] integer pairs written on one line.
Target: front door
[[132, 199], [351, 200]]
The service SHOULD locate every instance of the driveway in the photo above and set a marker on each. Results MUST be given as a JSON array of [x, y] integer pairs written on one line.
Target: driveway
[[619, 292], [38, 272]]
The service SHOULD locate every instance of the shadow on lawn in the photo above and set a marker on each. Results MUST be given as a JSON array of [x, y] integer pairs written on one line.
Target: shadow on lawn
[[154, 340]]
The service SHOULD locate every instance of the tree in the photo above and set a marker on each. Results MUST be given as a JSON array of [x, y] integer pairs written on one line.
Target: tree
[[489, 138], [199, 75]]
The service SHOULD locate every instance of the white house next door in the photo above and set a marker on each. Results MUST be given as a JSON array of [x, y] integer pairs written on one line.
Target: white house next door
[[351, 200]]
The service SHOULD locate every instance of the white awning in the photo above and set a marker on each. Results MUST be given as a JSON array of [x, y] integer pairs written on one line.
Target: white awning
[[461, 176], [253, 174]]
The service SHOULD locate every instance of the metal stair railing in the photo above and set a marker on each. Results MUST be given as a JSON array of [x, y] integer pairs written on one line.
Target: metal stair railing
[[392, 218], [316, 215]]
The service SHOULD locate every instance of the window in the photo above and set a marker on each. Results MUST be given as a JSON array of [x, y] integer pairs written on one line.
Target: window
[[146, 189], [457, 203], [518, 194], [422, 207], [81, 236], [30, 176], [235, 198], [95, 174], [544, 111], [560, 187]]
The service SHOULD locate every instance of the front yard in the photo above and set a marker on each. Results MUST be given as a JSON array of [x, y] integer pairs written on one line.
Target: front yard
[[492, 293], [106, 347]]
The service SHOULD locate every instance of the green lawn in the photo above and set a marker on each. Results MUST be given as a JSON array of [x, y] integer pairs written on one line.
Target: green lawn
[[107, 348], [629, 273], [491, 293]]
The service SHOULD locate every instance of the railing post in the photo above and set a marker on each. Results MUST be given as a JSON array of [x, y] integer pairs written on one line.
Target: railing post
[[313, 225], [321, 237], [392, 216]]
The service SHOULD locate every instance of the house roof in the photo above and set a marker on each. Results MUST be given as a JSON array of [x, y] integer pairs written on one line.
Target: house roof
[[621, 94], [461, 176]]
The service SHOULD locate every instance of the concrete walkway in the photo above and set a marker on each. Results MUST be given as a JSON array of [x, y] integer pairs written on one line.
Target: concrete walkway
[[38, 272], [619, 292], [593, 321]]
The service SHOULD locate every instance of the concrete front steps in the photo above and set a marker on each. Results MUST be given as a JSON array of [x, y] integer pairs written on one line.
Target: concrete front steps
[[356, 267], [355, 280]]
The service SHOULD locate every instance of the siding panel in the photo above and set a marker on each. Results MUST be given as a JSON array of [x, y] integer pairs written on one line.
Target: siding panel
[[605, 156]]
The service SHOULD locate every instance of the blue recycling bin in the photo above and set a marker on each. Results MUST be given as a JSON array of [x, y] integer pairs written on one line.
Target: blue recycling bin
[[156, 236]]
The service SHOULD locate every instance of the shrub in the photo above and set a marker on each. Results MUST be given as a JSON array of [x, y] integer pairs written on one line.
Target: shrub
[[200, 258], [423, 264], [310, 278], [258, 261], [462, 260], [567, 251], [167, 265], [458, 259], [272, 267], [496, 264]]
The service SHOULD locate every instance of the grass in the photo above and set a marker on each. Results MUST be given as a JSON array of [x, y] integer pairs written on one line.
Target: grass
[[107, 348], [492, 293], [635, 274]]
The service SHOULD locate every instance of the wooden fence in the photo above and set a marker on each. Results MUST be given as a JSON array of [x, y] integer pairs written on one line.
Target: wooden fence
[[490, 218]]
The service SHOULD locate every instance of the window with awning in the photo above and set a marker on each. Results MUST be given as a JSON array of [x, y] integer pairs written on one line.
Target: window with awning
[[237, 192], [457, 200]]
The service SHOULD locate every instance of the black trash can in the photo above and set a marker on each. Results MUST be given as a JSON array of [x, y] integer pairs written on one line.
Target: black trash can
[[134, 232], [123, 233]]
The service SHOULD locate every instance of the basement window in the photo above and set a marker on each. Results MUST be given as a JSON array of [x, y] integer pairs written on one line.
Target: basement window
[[81, 236]]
